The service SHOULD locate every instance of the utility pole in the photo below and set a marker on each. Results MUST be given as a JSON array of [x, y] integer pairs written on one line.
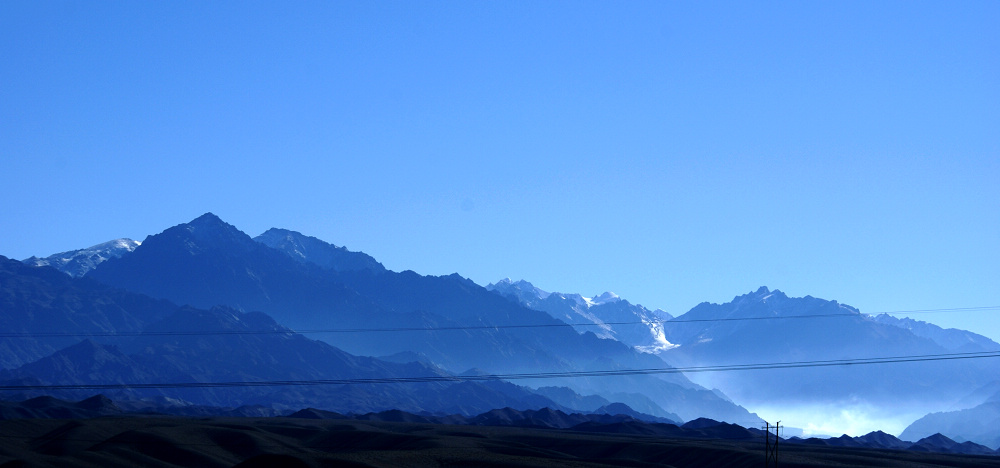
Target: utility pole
[[771, 450]]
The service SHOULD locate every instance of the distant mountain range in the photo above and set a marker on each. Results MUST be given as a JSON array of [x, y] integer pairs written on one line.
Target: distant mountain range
[[767, 326], [128, 320]]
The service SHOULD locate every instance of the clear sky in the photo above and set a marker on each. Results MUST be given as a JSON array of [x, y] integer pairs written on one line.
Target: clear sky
[[672, 152]]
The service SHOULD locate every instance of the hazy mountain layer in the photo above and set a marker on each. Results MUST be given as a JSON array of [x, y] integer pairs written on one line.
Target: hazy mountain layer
[[230, 346], [980, 424], [769, 327], [949, 338]]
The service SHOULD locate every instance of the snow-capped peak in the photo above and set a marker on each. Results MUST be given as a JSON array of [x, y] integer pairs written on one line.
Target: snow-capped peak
[[123, 244], [604, 298], [79, 262], [518, 288]]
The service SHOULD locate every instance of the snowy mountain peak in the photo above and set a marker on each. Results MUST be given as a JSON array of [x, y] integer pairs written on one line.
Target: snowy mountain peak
[[521, 289], [614, 317], [605, 298], [522, 284], [123, 244], [78, 262], [762, 294]]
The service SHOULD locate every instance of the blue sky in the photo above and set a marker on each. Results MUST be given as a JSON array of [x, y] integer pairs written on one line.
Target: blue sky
[[672, 152]]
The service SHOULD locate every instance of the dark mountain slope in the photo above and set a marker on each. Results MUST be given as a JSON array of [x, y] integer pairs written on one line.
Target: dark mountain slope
[[161, 343], [41, 300], [207, 262], [236, 347]]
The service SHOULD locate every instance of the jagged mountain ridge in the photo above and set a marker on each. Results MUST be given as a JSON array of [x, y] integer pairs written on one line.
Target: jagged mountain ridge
[[77, 263], [208, 262], [308, 249], [606, 315]]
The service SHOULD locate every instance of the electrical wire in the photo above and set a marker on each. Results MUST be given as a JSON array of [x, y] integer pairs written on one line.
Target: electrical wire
[[513, 376], [283, 331]]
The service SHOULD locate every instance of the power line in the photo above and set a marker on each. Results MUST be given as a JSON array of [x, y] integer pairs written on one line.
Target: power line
[[462, 327], [515, 376]]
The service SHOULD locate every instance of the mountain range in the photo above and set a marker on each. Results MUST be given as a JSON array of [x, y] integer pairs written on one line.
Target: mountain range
[[456, 324], [766, 326], [204, 302]]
